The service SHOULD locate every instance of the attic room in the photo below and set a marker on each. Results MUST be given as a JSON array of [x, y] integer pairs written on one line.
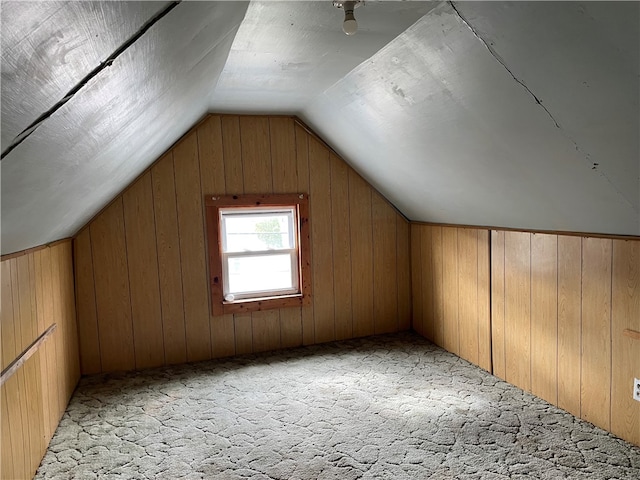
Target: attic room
[[446, 196]]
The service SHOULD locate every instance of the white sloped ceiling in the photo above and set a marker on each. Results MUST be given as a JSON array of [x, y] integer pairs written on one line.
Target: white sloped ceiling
[[514, 114]]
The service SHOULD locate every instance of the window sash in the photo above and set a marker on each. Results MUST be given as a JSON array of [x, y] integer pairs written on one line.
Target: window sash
[[295, 274]]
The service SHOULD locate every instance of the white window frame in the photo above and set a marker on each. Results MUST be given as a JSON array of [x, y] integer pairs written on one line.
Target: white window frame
[[293, 253]]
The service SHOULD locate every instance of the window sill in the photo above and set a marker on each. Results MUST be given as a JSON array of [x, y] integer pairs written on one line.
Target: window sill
[[264, 303]]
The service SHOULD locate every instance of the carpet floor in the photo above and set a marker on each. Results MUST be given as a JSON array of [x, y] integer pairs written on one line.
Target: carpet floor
[[388, 407]]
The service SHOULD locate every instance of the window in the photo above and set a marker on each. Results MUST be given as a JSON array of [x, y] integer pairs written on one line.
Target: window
[[258, 251]]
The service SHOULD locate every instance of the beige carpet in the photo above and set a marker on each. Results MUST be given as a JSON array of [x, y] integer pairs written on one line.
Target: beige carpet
[[390, 407]]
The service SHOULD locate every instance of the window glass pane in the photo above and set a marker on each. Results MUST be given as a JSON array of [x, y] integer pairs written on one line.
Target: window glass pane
[[248, 232], [260, 273]]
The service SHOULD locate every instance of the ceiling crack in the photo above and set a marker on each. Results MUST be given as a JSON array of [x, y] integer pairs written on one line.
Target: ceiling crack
[[587, 156], [501, 62], [22, 136]]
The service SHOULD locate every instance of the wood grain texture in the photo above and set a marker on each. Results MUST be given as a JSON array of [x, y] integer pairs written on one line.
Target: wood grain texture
[[243, 333], [7, 326], [144, 281], [212, 181], [403, 255], [192, 248], [544, 317], [385, 280], [569, 322], [302, 165], [341, 245], [429, 324], [451, 332], [322, 235], [230, 155], [468, 294], [112, 289], [417, 276], [437, 285], [595, 393], [265, 327], [87, 314], [36, 294], [256, 154], [283, 155], [284, 173], [625, 350], [484, 300], [361, 231], [518, 309], [232, 151], [169, 261], [498, 304]]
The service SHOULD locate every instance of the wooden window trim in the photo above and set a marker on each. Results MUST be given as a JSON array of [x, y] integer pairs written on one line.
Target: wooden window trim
[[213, 204]]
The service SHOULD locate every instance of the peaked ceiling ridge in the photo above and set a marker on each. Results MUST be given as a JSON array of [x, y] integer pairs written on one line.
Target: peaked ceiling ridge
[[107, 62]]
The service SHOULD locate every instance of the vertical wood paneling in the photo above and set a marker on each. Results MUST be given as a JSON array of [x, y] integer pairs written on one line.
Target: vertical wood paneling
[[417, 275], [244, 333], [266, 330], [112, 289], [56, 403], [29, 406], [43, 323], [451, 337], [7, 328], [285, 180], [212, 179], [569, 322], [518, 309], [385, 284], [428, 322], [544, 317], [232, 151], [192, 248], [341, 236], [625, 314], [468, 293], [321, 235], [169, 267], [437, 262], [302, 164], [403, 249], [249, 154], [88, 326], [498, 304], [143, 274], [595, 397], [361, 232], [484, 301], [256, 154], [283, 155]]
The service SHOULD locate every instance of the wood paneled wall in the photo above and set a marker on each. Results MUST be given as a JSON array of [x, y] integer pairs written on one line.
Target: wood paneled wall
[[544, 312], [141, 269], [560, 306], [450, 283], [37, 291]]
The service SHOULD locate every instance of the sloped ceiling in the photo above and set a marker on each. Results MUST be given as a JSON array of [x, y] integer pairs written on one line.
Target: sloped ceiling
[[512, 114]]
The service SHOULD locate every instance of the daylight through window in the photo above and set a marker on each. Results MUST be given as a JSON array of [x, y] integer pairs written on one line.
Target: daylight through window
[[258, 251]]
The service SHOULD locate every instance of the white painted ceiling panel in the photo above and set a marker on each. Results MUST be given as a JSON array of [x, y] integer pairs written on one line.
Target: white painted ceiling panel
[[287, 52], [583, 65], [439, 126], [48, 47], [514, 114], [123, 119]]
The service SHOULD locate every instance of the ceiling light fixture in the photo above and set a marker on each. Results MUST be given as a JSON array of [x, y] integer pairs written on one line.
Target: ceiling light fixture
[[349, 26]]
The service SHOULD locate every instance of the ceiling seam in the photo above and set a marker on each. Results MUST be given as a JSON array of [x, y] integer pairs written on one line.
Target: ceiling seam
[[587, 156], [22, 136]]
